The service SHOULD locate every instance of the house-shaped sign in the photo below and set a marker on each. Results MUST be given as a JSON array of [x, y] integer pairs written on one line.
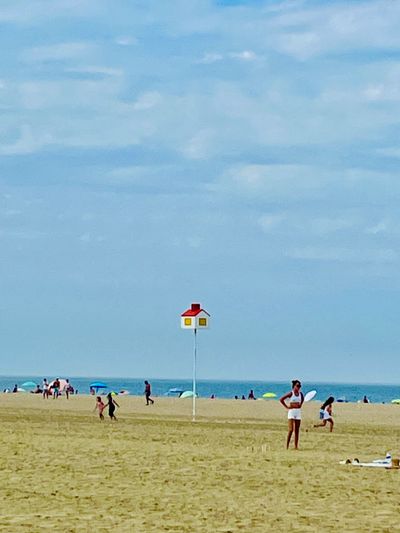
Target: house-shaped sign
[[195, 318]]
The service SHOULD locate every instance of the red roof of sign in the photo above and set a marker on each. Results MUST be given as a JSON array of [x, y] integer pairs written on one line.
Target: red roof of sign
[[194, 311]]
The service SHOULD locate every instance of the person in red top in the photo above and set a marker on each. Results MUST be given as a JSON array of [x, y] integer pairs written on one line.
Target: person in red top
[[147, 392]]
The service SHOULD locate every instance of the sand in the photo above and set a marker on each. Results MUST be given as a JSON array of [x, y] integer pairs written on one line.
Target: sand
[[155, 470]]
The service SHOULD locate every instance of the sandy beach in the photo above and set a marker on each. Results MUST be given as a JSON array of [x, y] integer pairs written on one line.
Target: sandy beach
[[155, 470]]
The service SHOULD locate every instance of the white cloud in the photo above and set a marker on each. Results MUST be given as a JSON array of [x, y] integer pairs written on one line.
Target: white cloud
[[35, 12], [126, 40], [343, 255], [135, 174], [91, 69], [194, 242], [147, 101], [301, 45], [392, 151], [246, 55], [270, 222], [211, 57], [380, 227], [274, 181], [27, 143], [10, 212], [304, 32], [323, 226], [306, 223], [214, 57], [200, 146], [59, 52], [24, 235], [91, 238]]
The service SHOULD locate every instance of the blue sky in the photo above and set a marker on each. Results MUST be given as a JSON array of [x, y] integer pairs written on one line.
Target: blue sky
[[240, 154]]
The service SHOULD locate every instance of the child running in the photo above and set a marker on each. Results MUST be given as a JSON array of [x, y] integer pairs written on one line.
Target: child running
[[111, 406], [296, 399], [100, 406], [325, 414]]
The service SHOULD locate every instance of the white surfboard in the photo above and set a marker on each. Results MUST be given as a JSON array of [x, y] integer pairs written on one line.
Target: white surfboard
[[378, 463]]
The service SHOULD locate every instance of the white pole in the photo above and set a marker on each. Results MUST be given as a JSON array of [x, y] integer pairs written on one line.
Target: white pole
[[194, 375]]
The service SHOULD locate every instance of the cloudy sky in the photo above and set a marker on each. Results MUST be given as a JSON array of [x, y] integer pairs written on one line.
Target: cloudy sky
[[243, 154]]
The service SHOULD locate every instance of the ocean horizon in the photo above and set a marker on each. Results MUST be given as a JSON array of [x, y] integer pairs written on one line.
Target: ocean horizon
[[226, 389]]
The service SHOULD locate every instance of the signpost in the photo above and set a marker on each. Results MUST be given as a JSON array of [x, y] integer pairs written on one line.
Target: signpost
[[195, 319]]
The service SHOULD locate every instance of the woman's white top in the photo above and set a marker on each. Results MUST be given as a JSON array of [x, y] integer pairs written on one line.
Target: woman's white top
[[294, 398]]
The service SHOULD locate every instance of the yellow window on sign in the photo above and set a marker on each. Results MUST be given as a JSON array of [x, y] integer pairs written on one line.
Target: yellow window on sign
[[188, 321], [202, 322]]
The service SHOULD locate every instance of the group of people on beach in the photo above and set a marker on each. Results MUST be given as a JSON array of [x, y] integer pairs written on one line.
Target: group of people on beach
[[55, 390], [47, 389], [293, 402], [251, 396], [112, 403]]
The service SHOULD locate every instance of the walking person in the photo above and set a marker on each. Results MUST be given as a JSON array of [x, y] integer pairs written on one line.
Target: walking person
[[67, 388], [111, 406], [100, 406], [325, 414], [45, 387], [296, 399], [147, 393]]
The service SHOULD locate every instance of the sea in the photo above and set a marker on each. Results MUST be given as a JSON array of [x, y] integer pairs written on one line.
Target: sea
[[345, 392]]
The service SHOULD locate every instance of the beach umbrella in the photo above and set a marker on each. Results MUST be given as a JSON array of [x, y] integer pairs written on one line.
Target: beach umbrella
[[173, 391], [98, 385], [269, 395], [28, 385], [187, 394], [396, 401]]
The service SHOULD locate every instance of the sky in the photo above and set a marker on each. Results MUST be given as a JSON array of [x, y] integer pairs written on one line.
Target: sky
[[240, 154]]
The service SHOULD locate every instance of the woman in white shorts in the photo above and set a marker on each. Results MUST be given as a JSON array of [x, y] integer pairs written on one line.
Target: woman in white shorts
[[296, 399]]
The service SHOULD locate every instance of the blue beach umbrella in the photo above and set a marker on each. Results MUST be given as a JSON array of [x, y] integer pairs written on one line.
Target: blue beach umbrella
[[28, 385], [98, 385]]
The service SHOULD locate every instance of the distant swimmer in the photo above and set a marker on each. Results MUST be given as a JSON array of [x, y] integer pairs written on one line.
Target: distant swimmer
[[147, 393], [111, 406], [325, 414], [365, 400], [296, 399]]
